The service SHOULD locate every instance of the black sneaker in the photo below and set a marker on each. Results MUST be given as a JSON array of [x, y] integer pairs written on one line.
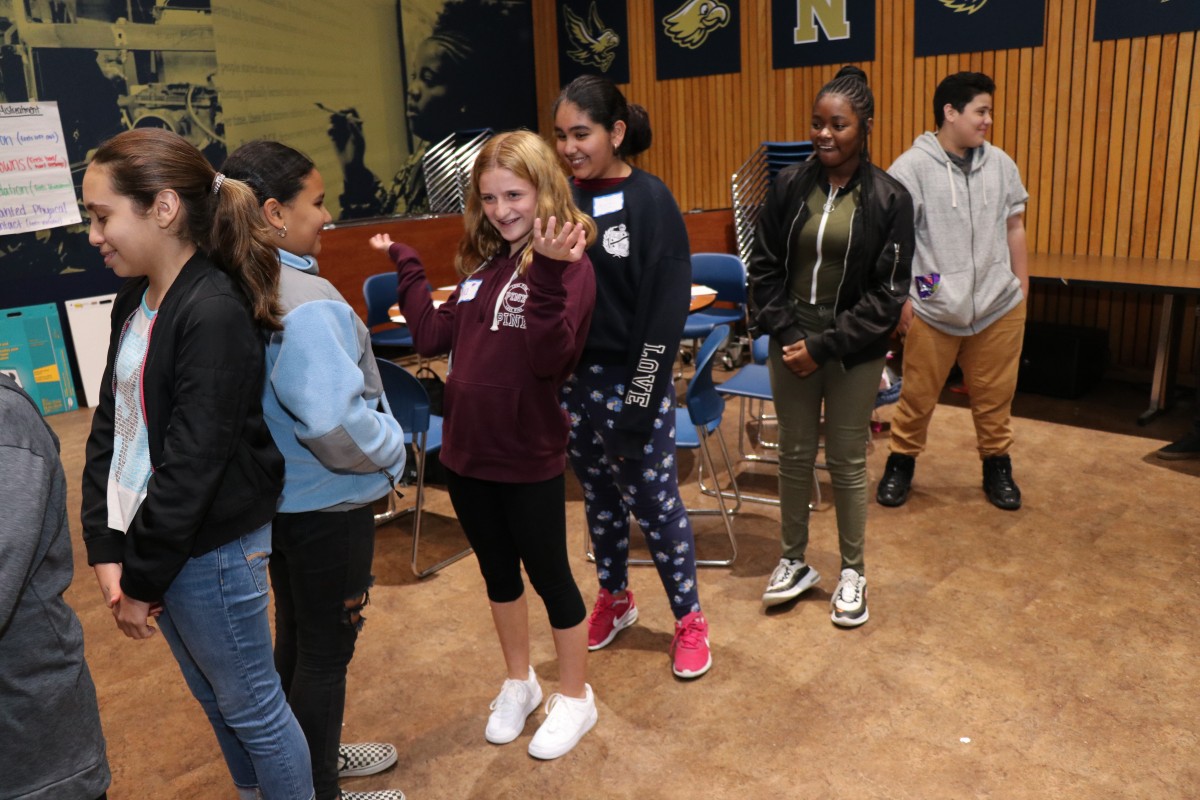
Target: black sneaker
[[999, 484], [896, 481], [1185, 448], [790, 579]]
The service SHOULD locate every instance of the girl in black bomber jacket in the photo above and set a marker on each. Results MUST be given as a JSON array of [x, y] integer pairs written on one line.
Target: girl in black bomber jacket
[[182, 476], [828, 278], [622, 396]]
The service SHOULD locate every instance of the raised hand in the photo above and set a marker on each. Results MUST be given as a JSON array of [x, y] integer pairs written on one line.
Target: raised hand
[[380, 241], [567, 244]]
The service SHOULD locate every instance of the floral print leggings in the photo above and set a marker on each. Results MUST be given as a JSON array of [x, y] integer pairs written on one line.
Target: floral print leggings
[[616, 489]]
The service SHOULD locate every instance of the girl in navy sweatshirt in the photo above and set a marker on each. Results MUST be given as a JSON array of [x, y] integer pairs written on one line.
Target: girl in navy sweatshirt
[[514, 328], [622, 396]]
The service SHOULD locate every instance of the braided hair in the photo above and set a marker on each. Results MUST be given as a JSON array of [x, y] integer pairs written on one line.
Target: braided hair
[[850, 83]]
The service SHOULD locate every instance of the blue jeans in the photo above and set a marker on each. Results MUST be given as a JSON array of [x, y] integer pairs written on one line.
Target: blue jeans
[[215, 620]]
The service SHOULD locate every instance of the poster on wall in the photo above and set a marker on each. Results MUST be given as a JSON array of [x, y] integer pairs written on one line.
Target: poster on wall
[[469, 65], [806, 33], [33, 354], [593, 39], [693, 38], [1125, 19], [35, 177], [942, 27]]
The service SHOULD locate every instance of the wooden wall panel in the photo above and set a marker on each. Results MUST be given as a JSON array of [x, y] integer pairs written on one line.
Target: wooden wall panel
[[1106, 135]]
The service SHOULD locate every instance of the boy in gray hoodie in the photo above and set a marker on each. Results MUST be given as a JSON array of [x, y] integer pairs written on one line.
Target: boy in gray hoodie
[[970, 279]]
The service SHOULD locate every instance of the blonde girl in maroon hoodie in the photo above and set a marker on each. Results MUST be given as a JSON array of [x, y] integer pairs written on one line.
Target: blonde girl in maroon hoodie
[[515, 328]]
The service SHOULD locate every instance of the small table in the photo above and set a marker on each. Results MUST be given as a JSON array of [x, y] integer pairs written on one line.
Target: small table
[[702, 297]]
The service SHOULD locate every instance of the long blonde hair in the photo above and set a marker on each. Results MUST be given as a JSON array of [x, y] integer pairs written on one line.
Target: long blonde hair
[[530, 158]]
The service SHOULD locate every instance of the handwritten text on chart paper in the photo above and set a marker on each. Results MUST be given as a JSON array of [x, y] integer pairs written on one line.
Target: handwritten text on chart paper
[[36, 189]]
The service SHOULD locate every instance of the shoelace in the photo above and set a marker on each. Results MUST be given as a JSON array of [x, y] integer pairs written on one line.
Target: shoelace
[[509, 697], [851, 584], [556, 701], [606, 605], [689, 635], [783, 572]]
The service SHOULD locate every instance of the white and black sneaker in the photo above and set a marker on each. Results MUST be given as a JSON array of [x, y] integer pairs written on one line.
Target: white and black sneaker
[[364, 758], [789, 580], [849, 603]]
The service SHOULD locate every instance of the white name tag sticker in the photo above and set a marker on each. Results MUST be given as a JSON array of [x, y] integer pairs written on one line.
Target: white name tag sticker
[[468, 290], [608, 204]]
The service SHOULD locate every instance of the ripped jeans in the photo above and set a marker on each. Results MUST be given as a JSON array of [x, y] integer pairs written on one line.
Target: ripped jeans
[[320, 572]]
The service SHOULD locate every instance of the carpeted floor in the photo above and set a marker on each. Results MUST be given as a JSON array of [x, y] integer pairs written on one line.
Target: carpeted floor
[[1050, 652]]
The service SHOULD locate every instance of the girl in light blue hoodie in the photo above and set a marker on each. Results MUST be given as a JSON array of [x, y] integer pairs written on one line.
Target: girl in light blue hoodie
[[323, 401]]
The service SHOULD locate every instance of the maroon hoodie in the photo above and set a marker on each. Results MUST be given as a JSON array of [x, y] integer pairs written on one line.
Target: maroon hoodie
[[514, 340]]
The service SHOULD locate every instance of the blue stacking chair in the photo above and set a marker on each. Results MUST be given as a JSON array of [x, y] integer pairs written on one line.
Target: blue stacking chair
[[423, 430], [380, 293], [727, 275], [700, 422], [750, 384]]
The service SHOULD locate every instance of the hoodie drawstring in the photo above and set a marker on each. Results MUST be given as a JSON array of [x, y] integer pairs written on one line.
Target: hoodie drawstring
[[953, 192], [500, 299]]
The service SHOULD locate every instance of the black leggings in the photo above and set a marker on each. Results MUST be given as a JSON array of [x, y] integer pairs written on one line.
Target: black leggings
[[511, 523]]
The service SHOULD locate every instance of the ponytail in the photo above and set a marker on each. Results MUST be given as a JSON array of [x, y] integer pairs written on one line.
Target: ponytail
[[240, 243], [221, 217]]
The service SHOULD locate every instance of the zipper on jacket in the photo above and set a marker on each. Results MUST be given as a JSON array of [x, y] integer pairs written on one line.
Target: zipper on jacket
[[837, 297], [826, 209], [895, 266]]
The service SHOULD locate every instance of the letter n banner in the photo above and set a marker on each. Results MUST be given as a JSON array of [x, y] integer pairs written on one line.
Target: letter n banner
[[969, 26], [806, 33], [1125, 19]]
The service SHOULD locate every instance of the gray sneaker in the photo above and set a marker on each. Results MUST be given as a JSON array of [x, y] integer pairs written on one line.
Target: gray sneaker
[[789, 580]]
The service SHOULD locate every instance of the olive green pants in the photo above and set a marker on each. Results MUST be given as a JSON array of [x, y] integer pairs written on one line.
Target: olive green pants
[[848, 397]]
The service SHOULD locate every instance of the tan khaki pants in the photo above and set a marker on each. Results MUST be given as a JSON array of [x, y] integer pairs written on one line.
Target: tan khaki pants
[[989, 361]]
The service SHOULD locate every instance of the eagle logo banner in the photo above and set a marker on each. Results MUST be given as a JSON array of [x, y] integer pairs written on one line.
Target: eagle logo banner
[[690, 24]]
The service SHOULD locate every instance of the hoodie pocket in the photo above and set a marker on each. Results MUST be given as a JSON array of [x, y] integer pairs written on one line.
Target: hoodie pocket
[[481, 418]]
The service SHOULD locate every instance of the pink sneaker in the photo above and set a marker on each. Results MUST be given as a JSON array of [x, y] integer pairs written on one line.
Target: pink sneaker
[[609, 617], [690, 646]]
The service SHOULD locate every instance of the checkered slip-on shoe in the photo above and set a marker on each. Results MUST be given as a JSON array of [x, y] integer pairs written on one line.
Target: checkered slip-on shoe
[[365, 758], [378, 794]]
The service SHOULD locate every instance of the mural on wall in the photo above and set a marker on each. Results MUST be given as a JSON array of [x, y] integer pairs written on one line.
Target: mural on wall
[[110, 66], [1125, 19], [697, 37], [942, 27], [593, 39], [470, 65], [223, 72], [806, 33]]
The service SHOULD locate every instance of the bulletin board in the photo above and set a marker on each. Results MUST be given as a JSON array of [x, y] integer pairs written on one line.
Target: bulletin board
[[33, 354]]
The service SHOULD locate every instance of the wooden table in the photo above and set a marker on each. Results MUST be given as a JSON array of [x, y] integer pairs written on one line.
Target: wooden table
[[702, 297], [1172, 278]]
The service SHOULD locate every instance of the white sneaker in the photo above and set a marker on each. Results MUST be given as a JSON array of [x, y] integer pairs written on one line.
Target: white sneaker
[[567, 720], [516, 701], [849, 603], [789, 580]]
